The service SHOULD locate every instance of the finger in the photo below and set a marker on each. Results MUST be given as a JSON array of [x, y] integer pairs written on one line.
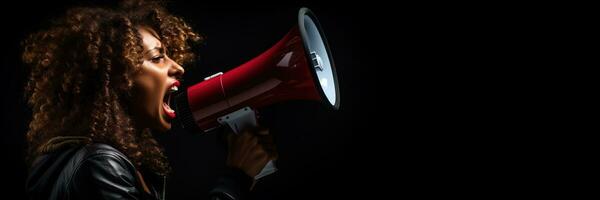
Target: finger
[[262, 131], [242, 138], [244, 133], [273, 155], [267, 142], [248, 144], [258, 151], [253, 140], [266, 139], [264, 160], [261, 157], [271, 151]]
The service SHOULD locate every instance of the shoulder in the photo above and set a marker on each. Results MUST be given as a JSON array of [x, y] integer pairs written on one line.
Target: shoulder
[[103, 150], [100, 149], [98, 157], [103, 171], [105, 157]]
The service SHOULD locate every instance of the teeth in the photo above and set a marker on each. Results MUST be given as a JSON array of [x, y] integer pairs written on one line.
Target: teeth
[[173, 89]]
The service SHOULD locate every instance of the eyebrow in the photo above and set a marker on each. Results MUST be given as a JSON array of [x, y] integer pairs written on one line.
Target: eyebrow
[[160, 49], [153, 33]]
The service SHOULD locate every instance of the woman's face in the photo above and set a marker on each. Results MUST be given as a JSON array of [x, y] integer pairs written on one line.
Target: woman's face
[[154, 84]]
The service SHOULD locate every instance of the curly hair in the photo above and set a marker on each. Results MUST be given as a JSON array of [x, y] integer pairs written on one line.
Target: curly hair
[[81, 76]]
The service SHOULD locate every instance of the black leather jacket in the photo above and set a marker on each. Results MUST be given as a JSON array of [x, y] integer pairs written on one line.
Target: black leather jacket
[[99, 171]]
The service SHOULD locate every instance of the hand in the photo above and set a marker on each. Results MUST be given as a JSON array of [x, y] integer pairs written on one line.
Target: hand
[[250, 150]]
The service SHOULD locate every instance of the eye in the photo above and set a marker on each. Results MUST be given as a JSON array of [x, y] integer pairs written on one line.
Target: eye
[[158, 59]]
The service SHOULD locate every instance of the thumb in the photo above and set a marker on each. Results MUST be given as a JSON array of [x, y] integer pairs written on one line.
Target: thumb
[[262, 131]]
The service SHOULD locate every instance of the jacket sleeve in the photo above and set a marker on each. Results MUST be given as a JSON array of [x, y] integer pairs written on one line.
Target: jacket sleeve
[[234, 184], [107, 176]]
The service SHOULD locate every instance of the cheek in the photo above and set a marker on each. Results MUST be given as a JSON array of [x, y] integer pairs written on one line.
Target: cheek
[[143, 89], [142, 98], [147, 92]]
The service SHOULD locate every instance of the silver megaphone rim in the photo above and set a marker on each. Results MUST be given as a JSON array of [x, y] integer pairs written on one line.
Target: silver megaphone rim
[[306, 41]]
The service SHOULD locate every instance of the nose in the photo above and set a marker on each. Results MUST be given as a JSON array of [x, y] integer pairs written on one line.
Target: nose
[[175, 70]]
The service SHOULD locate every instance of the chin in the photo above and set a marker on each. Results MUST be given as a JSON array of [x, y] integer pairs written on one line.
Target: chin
[[166, 127], [162, 124]]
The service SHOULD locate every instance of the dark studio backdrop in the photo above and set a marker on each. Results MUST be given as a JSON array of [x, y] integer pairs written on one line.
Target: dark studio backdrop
[[319, 155]]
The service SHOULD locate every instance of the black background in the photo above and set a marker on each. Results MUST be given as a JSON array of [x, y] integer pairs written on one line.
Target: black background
[[322, 152]]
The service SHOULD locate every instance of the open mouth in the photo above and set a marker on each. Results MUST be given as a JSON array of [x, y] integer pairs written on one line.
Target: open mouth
[[167, 100]]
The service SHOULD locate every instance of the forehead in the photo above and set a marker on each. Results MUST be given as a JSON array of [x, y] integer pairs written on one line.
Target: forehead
[[149, 38]]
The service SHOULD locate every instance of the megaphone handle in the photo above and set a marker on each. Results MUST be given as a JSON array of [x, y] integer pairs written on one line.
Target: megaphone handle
[[240, 120]]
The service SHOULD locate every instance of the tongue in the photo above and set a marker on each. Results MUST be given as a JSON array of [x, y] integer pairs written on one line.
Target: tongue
[[170, 112]]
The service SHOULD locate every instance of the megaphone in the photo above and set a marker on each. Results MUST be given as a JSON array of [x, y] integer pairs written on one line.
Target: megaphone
[[298, 67]]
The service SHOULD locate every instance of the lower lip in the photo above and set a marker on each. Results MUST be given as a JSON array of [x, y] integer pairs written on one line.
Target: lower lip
[[168, 111]]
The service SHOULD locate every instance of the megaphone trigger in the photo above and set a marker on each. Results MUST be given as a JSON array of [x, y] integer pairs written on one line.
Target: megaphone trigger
[[239, 120]]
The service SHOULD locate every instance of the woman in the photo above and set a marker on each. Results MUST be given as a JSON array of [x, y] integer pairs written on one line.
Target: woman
[[101, 80]]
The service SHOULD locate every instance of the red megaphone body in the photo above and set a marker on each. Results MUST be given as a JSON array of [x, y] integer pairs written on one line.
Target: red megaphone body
[[298, 67]]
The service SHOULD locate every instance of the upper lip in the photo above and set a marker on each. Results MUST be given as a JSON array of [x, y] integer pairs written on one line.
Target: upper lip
[[169, 92], [175, 83]]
